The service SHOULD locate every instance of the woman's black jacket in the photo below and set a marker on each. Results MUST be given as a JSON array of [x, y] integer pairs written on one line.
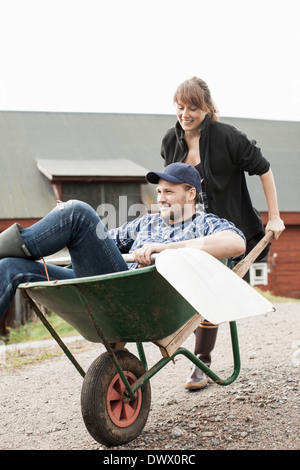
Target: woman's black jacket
[[226, 154]]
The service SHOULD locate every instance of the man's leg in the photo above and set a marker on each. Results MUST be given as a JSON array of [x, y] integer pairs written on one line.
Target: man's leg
[[14, 271], [77, 226], [74, 225]]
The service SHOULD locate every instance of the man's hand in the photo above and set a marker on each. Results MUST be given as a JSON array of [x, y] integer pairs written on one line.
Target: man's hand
[[143, 255]]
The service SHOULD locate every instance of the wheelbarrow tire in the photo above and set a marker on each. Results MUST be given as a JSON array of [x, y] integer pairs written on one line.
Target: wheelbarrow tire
[[108, 418]]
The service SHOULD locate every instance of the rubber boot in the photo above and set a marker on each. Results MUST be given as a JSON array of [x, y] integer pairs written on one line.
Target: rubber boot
[[205, 340], [12, 243]]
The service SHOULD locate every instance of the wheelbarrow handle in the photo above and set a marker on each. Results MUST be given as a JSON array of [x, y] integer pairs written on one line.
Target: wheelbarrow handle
[[129, 258], [242, 267]]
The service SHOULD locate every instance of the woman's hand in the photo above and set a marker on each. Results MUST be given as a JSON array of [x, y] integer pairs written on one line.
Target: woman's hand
[[276, 225]]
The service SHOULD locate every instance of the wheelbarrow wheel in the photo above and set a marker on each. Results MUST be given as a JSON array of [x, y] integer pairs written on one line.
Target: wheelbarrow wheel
[[109, 416]]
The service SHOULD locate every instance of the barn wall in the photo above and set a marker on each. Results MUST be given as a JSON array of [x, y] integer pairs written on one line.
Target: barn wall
[[5, 223], [284, 259]]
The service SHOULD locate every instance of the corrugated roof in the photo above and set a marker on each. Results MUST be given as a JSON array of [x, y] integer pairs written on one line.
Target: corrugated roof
[[26, 137], [280, 144]]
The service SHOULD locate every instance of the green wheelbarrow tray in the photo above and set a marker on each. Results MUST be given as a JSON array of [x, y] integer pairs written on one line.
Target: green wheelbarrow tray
[[130, 306]]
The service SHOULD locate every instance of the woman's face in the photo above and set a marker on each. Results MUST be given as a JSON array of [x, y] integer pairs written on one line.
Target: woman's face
[[189, 117]]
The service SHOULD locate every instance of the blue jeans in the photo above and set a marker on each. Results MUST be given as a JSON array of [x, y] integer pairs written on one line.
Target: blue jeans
[[74, 225]]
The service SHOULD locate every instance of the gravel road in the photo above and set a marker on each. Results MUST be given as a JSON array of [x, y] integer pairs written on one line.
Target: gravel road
[[40, 403]]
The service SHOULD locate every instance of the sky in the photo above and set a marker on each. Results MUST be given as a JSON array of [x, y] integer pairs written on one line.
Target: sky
[[118, 56]]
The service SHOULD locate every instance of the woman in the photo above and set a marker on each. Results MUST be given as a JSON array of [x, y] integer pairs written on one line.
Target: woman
[[222, 155]]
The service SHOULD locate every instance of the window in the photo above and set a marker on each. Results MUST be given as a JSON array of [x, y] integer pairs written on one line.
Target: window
[[115, 202], [259, 274]]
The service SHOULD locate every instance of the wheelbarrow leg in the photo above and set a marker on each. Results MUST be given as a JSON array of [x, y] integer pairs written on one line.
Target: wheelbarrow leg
[[185, 352], [207, 370], [142, 355], [53, 333]]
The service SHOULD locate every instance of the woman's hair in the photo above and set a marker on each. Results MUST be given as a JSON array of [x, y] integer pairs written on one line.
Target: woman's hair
[[196, 92]]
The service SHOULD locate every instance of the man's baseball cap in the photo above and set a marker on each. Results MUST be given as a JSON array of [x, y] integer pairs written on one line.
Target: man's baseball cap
[[177, 173]]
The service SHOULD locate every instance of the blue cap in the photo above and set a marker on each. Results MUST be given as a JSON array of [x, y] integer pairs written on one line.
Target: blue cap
[[177, 173]]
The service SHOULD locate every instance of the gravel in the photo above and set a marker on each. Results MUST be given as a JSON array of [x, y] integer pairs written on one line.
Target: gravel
[[40, 403]]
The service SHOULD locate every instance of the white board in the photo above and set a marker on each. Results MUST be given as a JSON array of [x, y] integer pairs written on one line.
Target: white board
[[217, 293]]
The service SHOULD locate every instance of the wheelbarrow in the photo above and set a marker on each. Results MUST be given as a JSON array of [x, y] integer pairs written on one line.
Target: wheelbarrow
[[150, 304]]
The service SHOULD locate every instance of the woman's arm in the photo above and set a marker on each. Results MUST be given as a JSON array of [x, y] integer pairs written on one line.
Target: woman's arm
[[275, 223]]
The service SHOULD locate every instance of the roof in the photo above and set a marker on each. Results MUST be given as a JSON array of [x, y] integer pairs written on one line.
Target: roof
[[61, 169], [280, 144], [28, 137]]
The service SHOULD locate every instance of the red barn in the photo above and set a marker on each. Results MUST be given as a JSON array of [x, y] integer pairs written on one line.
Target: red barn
[[283, 263]]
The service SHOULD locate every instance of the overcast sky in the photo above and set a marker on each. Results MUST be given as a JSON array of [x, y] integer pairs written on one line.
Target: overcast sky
[[128, 56]]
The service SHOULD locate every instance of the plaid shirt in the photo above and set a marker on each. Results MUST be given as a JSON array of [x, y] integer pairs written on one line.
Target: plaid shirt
[[151, 228]]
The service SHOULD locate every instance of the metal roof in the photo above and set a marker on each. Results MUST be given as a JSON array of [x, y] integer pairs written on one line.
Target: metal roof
[[28, 137], [280, 144]]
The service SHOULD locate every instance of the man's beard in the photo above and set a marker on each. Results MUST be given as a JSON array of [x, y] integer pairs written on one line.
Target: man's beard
[[175, 214]]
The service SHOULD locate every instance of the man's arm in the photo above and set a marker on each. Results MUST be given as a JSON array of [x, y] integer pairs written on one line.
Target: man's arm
[[222, 244]]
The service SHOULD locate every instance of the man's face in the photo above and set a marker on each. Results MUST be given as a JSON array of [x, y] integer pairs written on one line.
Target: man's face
[[175, 202]]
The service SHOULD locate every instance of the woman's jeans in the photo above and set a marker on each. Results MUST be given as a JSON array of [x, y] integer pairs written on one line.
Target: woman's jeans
[[74, 225]]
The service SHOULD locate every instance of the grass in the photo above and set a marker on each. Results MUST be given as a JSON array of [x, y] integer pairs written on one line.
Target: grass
[[15, 359], [276, 299], [36, 331]]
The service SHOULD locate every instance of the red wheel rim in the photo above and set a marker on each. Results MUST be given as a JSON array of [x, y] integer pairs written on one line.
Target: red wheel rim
[[121, 412]]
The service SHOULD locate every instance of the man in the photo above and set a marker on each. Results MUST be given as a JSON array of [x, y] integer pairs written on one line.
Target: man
[[178, 188], [96, 251]]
